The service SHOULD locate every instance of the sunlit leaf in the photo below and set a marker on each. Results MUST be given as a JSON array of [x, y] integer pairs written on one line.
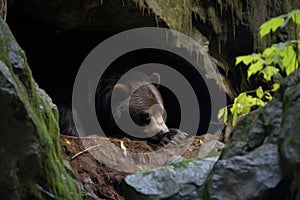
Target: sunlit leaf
[[275, 87], [254, 68], [271, 55], [233, 108], [270, 51], [234, 118], [296, 16], [256, 57], [292, 66], [287, 55], [268, 96], [221, 112], [259, 102], [268, 72], [271, 25], [243, 103], [259, 92], [289, 60], [245, 59], [225, 116]]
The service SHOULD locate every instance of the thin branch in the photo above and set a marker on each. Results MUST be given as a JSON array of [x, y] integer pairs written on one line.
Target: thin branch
[[81, 152]]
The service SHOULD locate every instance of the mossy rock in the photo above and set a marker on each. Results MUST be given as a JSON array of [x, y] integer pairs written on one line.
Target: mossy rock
[[31, 164]]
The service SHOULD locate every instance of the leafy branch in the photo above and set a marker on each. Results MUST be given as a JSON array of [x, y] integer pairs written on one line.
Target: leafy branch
[[272, 64]]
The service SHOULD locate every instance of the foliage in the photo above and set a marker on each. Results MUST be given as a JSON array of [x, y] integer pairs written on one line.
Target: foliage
[[278, 60]]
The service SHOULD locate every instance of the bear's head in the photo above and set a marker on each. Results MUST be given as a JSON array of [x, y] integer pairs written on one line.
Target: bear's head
[[138, 95]]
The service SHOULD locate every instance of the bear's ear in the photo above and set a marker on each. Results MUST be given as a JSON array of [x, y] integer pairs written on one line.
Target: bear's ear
[[155, 78], [121, 90]]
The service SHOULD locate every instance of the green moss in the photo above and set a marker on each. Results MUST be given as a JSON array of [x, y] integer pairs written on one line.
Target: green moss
[[176, 13], [51, 175], [204, 191]]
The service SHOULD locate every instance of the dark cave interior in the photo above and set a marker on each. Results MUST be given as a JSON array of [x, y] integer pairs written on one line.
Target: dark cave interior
[[55, 57]]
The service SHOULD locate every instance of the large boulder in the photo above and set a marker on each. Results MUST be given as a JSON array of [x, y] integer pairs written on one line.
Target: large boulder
[[31, 165], [178, 181]]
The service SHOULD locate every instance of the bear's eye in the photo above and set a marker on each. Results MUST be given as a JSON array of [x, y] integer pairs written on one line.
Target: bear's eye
[[145, 118]]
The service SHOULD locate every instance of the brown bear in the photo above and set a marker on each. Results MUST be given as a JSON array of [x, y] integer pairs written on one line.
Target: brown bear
[[134, 93]]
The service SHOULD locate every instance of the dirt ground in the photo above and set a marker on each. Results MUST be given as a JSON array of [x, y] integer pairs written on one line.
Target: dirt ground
[[101, 164]]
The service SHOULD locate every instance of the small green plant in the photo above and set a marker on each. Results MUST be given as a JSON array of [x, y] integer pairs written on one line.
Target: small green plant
[[279, 60]]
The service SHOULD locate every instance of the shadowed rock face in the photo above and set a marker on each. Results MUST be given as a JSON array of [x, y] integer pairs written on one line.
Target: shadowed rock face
[[30, 166], [94, 15], [260, 162]]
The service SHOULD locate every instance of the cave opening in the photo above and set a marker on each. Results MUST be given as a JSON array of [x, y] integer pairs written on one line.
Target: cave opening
[[55, 56]]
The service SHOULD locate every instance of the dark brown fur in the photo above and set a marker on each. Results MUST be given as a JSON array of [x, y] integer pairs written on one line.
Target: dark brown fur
[[138, 88]]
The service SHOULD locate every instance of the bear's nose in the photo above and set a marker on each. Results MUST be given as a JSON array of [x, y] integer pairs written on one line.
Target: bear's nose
[[163, 131]]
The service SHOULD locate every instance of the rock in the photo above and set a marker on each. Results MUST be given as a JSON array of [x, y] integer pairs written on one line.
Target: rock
[[31, 165], [245, 177], [290, 137], [262, 159], [210, 148], [177, 181]]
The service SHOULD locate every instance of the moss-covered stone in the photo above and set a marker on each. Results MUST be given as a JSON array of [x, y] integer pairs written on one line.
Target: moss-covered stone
[[31, 164]]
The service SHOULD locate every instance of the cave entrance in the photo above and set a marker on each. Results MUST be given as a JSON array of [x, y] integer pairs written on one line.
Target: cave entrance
[[55, 54]]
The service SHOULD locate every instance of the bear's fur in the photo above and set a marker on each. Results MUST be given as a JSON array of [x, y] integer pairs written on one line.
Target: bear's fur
[[135, 92]]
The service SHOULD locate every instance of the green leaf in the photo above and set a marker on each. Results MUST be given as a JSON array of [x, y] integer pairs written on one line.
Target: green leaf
[[233, 109], [245, 59], [271, 55], [259, 92], [289, 59], [287, 54], [270, 51], [296, 16], [275, 87], [256, 57], [234, 118], [243, 103], [225, 116], [292, 66], [268, 72], [254, 68], [268, 96], [259, 102], [221, 112], [271, 25]]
